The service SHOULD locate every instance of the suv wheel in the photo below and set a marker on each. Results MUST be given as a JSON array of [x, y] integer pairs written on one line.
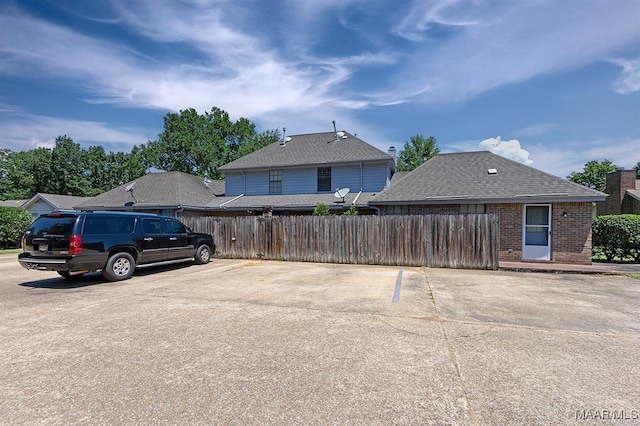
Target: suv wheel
[[119, 267], [203, 254]]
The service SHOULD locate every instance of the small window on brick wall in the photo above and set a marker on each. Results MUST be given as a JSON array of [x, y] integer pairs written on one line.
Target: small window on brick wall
[[472, 208]]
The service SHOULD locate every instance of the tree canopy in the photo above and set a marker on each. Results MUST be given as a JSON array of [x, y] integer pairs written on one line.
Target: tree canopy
[[594, 174], [190, 142], [416, 151], [200, 143]]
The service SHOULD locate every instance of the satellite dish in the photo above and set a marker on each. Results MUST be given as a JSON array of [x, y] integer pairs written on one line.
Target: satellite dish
[[130, 186], [341, 193]]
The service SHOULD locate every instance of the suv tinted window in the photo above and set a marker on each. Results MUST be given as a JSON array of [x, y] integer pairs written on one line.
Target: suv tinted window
[[52, 225], [109, 225], [175, 227], [152, 226]]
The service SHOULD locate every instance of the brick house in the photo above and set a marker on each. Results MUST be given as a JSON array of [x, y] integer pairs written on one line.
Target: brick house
[[542, 217], [623, 188]]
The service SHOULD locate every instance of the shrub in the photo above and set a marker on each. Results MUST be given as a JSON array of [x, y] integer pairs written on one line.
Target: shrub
[[13, 222], [353, 211], [321, 209], [617, 236]]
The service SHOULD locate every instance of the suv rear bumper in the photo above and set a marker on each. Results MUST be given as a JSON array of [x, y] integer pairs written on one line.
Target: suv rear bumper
[[68, 264]]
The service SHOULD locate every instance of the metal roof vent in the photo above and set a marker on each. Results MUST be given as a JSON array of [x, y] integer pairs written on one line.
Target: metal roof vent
[[492, 171]]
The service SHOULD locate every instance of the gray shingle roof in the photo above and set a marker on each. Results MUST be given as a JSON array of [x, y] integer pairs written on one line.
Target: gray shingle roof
[[464, 178], [310, 149], [292, 202], [12, 203], [62, 202], [159, 189]]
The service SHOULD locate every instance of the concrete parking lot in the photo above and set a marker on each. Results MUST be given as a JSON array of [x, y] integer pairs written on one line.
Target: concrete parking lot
[[250, 342]]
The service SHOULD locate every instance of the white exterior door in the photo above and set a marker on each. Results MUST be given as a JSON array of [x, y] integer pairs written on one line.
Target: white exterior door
[[536, 232]]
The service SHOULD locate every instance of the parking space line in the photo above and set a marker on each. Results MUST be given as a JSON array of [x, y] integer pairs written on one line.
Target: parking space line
[[396, 293]]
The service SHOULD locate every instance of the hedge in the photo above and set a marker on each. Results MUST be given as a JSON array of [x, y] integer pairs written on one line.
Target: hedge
[[618, 236], [13, 222]]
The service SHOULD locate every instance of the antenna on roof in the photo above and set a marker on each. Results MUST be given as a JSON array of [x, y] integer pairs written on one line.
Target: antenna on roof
[[339, 135], [129, 188], [285, 138], [207, 182]]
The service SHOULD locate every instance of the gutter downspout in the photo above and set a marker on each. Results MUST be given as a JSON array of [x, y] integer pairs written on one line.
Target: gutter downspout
[[353, 203], [232, 200]]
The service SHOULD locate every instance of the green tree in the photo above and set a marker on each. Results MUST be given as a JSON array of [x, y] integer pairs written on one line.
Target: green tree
[[13, 222], [321, 209], [637, 167], [26, 173], [70, 169], [200, 143], [416, 151], [594, 174]]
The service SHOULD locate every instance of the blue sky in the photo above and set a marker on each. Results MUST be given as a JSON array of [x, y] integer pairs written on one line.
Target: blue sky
[[551, 83]]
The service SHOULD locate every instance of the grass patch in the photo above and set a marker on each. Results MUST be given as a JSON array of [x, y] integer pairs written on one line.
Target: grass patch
[[10, 251], [635, 276]]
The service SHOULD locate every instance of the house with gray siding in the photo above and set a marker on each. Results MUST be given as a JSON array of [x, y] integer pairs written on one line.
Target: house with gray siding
[[42, 203], [294, 175]]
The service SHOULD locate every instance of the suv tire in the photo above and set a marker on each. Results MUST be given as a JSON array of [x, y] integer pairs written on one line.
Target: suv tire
[[119, 267], [203, 254]]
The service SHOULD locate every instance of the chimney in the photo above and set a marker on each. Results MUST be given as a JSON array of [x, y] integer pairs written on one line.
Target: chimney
[[392, 152]]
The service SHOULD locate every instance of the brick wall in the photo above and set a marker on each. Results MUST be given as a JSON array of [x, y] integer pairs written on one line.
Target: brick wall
[[510, 230], [617, 184], [570, 234]]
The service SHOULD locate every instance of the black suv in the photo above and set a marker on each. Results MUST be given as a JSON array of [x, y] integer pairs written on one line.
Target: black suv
[[74, 243]]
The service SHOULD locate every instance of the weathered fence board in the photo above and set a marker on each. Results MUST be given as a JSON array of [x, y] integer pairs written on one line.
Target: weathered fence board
[[443, 241]]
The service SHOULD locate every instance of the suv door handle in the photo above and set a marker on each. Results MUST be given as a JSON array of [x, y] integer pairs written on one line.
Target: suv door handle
[[148, 239], [173, 238]]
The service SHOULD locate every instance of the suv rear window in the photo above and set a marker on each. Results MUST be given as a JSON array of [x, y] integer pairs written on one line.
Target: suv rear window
[[109, 225], [61, 225]]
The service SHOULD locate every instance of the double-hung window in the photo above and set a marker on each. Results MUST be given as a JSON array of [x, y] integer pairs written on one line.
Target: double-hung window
[[275, 181], [324, 179]]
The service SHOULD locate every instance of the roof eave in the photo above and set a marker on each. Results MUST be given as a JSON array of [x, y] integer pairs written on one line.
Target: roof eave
[[505, 200], [298, 166]]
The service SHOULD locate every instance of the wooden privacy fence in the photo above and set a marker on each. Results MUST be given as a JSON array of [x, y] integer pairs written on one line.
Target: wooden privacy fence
[[440, 241]]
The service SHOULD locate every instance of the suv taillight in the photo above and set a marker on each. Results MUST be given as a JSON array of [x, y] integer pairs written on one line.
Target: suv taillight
[[75, 244]]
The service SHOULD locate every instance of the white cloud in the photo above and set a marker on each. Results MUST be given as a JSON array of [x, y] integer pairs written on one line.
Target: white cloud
[[629, 80], [565, 157], [534, 130], [25, 131], [488, 45], [510, 149]]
